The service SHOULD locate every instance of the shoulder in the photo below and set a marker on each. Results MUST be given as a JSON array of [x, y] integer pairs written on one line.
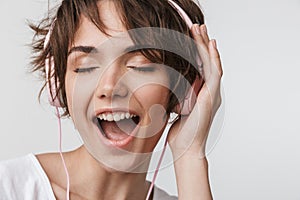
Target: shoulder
[[14, 170], [160, 194], [23, 178]]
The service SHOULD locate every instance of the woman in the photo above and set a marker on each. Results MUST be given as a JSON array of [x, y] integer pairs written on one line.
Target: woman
[[118, 69]]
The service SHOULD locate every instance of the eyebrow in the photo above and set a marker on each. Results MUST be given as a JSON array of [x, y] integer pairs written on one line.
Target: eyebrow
[[84, 49], [91, 49]]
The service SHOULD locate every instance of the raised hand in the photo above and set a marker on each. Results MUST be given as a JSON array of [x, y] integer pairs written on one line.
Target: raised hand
[[189, 133]]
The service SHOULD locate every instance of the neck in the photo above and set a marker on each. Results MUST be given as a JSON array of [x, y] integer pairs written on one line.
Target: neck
[[92, 180]]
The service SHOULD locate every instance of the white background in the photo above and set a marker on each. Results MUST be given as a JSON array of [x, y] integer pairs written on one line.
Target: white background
[[258, 154]]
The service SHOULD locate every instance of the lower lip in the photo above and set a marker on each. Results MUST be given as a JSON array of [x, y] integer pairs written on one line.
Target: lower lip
[[118, 143]]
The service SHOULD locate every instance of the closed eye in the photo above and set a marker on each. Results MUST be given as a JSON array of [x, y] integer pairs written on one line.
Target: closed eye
[[85, 70], [142, 68]]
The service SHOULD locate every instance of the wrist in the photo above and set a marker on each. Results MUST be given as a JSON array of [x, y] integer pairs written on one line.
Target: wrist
[[192, 152], [192, 175], [189, 158]]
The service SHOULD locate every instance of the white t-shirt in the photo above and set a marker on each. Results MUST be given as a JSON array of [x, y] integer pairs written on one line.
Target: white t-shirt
[[24, 179]]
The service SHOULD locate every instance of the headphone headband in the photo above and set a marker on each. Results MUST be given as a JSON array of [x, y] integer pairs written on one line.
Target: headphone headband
[[182, 13]]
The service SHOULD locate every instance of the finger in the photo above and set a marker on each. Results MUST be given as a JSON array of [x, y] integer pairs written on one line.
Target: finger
[[198, 36], [204, 34], [215, 59], [202, 49]]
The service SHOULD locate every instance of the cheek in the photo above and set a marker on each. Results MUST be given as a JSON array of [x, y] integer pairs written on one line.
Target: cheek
[[153, 94], [79, 92], [155, 90]]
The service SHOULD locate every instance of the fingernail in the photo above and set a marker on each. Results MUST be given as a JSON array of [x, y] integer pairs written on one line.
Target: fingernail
[[214, 43], [198, 29]]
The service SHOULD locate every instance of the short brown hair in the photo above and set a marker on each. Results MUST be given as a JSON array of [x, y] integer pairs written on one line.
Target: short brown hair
[[133, 14]]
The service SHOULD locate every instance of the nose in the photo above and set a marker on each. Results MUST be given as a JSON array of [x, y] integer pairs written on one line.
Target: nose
[[110, 84]]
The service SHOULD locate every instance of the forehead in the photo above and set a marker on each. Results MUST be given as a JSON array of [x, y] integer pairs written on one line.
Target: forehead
[[89, 35]]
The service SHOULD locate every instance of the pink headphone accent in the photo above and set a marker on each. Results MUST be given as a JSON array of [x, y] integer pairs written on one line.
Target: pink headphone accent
[[184, 108], [182, 13], [54, 101], [49, 69], [191, 97]]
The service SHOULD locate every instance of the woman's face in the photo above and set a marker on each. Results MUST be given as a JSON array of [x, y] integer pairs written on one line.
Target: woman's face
[[116, 97]]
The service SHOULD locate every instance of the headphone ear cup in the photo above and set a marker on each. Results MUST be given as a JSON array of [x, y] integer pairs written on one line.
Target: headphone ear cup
[[187, 105], [51, 87], [50, 71]]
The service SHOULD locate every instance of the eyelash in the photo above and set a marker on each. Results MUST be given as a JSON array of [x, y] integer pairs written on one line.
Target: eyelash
[[142, 69], [139, 69], [85, 70]]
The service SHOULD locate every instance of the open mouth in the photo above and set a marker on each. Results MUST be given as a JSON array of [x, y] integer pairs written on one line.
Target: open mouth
[[117, 126]]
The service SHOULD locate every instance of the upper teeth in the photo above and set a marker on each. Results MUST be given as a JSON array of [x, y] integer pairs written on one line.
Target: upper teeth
[[117, 116]]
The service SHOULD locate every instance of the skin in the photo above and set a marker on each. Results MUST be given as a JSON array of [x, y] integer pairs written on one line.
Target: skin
[[191, 168], [92, 180]]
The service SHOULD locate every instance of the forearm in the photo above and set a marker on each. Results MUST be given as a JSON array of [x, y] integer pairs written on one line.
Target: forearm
[[192, 178]]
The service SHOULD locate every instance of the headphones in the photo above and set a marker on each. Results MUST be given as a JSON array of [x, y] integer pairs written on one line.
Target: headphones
[[183, 108], [50, 71], [187, 105]]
